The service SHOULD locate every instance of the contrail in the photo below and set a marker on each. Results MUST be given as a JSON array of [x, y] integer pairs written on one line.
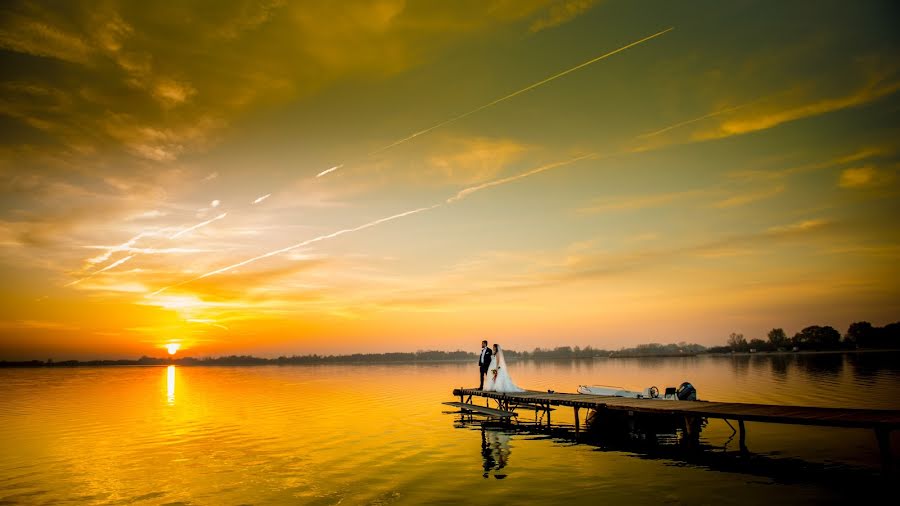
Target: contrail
[[298, 245], [504, 98], [459, 196], [264, 197], [195, 227], [129, 247], [108, 267], [121, 247], [472, 189], [156, 251], [701, 118], [326, 171]]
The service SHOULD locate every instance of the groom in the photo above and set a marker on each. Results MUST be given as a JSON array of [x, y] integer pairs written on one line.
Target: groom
[[484, 361]]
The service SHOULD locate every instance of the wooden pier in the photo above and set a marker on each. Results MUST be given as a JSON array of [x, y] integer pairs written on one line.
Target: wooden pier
[[881, 421]]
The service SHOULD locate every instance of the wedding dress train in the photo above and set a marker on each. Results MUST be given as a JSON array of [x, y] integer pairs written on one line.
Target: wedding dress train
[[498, 379]]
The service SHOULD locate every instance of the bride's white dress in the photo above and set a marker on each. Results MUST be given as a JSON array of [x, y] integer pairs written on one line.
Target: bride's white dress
[[502, 382]]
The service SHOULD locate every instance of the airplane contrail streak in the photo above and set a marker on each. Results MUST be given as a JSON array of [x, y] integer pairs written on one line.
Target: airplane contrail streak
[[459, 196], [156, 251], [121, 247], [695, 120], [326, 171], [108, 267], [472, 189], [195, 227], [264, 197], [506, 97], [299, 245]]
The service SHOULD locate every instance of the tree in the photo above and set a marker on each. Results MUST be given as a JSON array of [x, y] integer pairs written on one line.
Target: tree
[[817, 337], [737, 342], [860, 334], [777, 338], [757, 344]]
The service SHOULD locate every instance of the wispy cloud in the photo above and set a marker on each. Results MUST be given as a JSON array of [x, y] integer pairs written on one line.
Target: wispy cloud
[[562, 12], [863, 177], [749, 197], [635, 202], [792, 106]]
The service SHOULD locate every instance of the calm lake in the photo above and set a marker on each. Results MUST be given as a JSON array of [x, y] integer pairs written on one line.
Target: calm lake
[[379, 434]]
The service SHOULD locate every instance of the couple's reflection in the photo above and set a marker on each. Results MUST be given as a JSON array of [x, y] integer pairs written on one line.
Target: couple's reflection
[[494, 451]]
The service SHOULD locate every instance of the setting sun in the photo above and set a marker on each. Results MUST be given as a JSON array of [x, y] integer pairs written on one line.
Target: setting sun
[[172, 347]]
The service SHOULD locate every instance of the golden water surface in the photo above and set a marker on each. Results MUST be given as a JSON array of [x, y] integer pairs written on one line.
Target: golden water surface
[[377, 434]]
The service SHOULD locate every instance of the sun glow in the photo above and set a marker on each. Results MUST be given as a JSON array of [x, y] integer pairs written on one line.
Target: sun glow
[[172, 347]]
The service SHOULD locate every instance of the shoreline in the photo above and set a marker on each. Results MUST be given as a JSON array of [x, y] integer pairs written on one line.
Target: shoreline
[[274, 362]]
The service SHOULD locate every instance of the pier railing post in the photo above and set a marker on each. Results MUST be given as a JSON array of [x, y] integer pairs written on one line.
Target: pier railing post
[[743, 436]]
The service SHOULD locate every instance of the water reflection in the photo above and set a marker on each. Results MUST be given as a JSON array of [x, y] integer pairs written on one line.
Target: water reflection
[[821, 366], [170, 385], [779, 367], [494, 451]]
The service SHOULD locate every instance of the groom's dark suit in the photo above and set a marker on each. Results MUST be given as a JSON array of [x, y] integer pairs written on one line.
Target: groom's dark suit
[[484, 361]]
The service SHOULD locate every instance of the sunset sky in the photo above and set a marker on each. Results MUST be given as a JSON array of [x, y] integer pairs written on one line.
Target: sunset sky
[[158, 173]]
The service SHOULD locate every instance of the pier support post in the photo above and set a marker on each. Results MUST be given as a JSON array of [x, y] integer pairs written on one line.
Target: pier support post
[[743, 436], [884, 446], [548, 415], [577, 426]]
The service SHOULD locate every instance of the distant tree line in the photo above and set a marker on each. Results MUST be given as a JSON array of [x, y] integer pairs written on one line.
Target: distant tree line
[[660, 350], [859, 335]]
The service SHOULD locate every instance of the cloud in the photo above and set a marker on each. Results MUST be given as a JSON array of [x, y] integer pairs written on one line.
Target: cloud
[[36, 324], [749, 197], [21, 33], [561, 12], [636, 202], [791, 106], [471, 159], [797, 227], [863, 177], [135, 86]]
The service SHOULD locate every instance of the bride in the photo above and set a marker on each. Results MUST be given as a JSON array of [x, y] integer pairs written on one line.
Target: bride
[[498, 379]]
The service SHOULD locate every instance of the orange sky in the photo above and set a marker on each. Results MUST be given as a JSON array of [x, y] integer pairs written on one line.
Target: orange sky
[[165, 174]]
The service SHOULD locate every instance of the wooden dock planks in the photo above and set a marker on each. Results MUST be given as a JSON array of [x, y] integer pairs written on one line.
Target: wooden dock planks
[[772, 413], [484, 410]]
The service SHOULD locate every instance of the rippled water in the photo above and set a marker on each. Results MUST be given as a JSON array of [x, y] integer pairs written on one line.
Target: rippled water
[[379, 434]]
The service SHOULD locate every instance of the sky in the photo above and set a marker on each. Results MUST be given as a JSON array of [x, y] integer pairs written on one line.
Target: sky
[[365, 176]]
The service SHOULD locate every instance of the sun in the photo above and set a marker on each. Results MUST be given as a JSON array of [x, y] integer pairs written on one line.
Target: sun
[[172, 347]]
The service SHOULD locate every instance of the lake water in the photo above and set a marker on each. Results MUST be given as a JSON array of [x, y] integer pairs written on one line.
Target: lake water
[[379, 434]]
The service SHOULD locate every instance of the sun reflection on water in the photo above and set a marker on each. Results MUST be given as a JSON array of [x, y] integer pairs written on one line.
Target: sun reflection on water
[[170, 385]]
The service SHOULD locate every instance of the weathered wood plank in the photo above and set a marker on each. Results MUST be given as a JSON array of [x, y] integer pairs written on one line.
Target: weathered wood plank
[[484, 410], [804, 415]]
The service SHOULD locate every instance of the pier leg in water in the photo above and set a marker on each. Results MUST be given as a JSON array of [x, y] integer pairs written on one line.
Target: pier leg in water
[[576, 420], [884, 446], [743, 437]]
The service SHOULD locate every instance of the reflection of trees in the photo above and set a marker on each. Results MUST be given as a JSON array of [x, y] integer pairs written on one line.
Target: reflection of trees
[[779, 365], [740, 364], [494, 450], [868, 365], [825, 364]]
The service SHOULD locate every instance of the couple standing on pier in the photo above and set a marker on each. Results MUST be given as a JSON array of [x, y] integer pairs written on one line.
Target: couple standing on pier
[[492, 364]]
